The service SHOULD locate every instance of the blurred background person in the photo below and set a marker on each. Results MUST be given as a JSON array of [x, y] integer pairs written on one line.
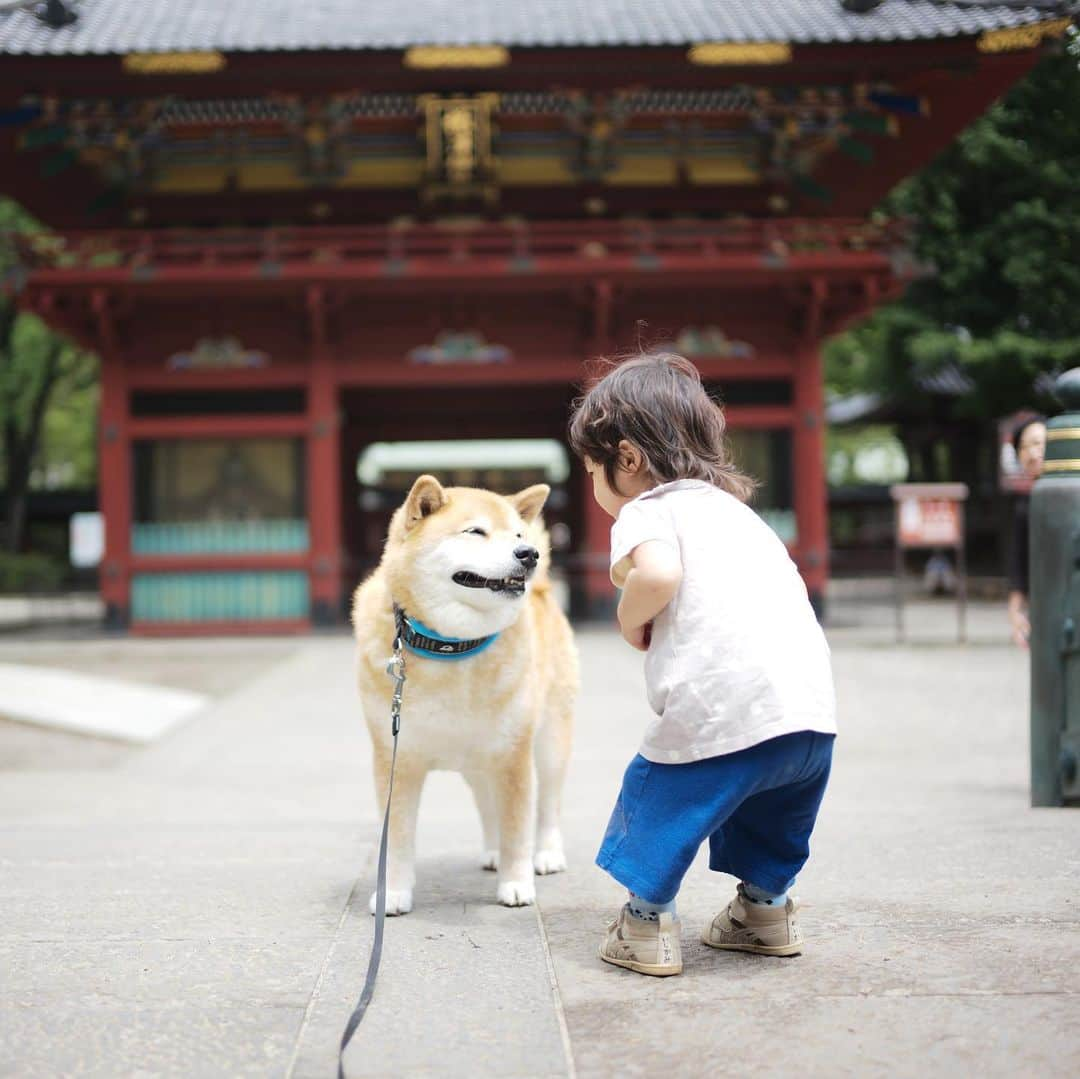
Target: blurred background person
[[1029, 442]]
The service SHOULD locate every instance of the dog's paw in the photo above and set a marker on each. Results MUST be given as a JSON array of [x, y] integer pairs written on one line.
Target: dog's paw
[[549, 861], [397, 902], [517, 893], [491, 859]]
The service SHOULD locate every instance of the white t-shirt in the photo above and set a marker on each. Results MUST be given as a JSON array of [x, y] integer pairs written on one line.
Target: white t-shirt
[[737, 657]]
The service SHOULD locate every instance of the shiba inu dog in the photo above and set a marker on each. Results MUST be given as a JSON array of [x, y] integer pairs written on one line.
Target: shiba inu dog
[[491, 676]]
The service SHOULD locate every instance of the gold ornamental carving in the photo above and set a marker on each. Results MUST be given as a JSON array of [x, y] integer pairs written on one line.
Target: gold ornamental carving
[[427, 57], [739, 53], [1021, 37], [174, 63]]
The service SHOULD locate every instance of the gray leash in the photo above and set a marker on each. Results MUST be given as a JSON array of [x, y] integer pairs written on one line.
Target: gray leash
[[396, 669]]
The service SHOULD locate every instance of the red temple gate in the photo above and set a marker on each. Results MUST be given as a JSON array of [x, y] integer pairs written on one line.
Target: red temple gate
[[501, 218]]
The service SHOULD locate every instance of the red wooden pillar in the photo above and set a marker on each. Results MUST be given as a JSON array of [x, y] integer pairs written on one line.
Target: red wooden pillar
[[599, 591], [811, 494], [115, 486], [323, 471]]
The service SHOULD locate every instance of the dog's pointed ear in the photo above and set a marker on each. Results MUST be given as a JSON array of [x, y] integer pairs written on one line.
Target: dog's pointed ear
[[427, 496], [531, 501]]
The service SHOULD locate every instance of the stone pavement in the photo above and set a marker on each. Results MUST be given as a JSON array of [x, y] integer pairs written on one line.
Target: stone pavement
[[192, 908]]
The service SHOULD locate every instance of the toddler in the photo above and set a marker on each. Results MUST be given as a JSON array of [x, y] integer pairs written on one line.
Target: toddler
[[736, 670]]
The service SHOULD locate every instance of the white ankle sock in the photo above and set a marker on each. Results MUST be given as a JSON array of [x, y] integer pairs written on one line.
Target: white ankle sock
[[762, 897]]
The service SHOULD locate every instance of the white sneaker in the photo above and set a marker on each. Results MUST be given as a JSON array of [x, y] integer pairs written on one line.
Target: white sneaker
[[644, 946], [746, 926]]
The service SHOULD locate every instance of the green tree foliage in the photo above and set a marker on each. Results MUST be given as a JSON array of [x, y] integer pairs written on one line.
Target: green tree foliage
[[48, 399], [997, 217]]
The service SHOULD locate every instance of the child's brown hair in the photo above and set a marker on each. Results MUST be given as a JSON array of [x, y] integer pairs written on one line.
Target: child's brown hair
[[657, 403]]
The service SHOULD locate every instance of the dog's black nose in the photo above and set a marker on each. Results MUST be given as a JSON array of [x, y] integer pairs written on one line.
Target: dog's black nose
[[526, 555]]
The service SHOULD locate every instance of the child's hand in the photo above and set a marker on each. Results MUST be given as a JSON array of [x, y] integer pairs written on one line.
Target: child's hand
[[639, 637]]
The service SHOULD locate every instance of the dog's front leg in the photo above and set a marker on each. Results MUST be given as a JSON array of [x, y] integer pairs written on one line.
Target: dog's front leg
[[484, 793], [515, 792], [401, 849]]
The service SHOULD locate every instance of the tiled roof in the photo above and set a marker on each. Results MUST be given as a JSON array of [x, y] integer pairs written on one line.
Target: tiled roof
[[947, 381], [123, 26]]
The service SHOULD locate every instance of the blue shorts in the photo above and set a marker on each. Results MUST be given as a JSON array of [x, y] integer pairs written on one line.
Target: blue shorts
[[756, 807]]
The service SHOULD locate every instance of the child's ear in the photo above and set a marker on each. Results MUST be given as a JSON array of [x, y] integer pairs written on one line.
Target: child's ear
[[630, 457], [426, 497], [531, 501]]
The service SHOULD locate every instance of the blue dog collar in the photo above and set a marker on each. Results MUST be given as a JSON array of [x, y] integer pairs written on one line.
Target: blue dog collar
[[424, 641]]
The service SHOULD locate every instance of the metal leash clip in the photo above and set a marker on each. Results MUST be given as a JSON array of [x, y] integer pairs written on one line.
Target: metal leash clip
[[396, 669]]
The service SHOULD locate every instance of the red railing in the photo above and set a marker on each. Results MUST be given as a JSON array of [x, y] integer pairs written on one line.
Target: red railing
[[518, 243]]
